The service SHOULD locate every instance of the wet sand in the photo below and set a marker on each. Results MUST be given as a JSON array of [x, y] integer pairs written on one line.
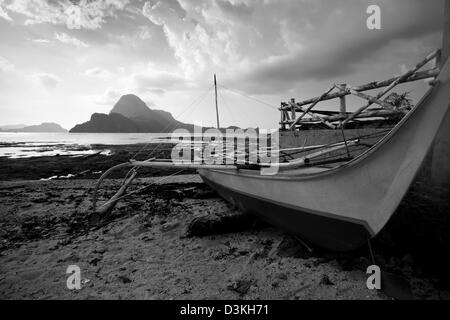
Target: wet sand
[[146, 251], [178, 240], [85, 166]]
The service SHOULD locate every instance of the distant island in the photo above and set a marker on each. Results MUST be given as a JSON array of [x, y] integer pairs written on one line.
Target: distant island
[[131, 114], [43, 127]]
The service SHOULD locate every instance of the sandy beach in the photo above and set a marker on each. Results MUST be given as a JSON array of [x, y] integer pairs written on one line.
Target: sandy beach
[[175, 240]]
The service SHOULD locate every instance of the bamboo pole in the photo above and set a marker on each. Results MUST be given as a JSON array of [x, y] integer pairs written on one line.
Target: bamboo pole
[[299, 162], [305, 159], [308, 148], [404, 76], [292, 103], [286, 115], [420, 75], [283, 118], [368, 114], [310, 107], [180, 165], [368, 98], [342, 104], [326, 123]]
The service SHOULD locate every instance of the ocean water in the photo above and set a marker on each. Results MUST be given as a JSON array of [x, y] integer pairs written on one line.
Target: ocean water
[[21, 144], [25, 144]]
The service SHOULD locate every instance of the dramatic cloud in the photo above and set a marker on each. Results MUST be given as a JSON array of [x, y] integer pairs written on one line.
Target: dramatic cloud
[[83, 14], [200, 41], [336, 52], [47, 80], [280, 42], [167, 51]]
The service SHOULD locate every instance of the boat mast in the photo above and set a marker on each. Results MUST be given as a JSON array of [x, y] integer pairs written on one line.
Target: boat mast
[[217, 108]]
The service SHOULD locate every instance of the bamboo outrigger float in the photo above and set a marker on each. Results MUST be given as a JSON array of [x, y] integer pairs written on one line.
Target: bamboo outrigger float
[[341, 207]]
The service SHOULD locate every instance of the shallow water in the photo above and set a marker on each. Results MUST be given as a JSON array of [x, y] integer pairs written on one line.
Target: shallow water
[[27, 145], [24, 145]]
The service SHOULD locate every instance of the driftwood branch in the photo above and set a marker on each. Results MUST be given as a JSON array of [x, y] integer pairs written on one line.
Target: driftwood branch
[[103, 176], [106, 209]]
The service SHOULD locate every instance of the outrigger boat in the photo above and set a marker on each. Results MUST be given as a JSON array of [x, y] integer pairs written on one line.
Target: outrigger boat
[[341, 206]]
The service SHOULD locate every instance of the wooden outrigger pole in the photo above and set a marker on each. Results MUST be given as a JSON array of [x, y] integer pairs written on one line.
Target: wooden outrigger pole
[[404, 76], [343, 118]]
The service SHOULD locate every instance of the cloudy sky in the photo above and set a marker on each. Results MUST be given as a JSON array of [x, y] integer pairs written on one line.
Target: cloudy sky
[[55, 68]]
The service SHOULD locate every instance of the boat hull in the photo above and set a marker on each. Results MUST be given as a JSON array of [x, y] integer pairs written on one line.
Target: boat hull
[[340, 208], [327, 232]]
